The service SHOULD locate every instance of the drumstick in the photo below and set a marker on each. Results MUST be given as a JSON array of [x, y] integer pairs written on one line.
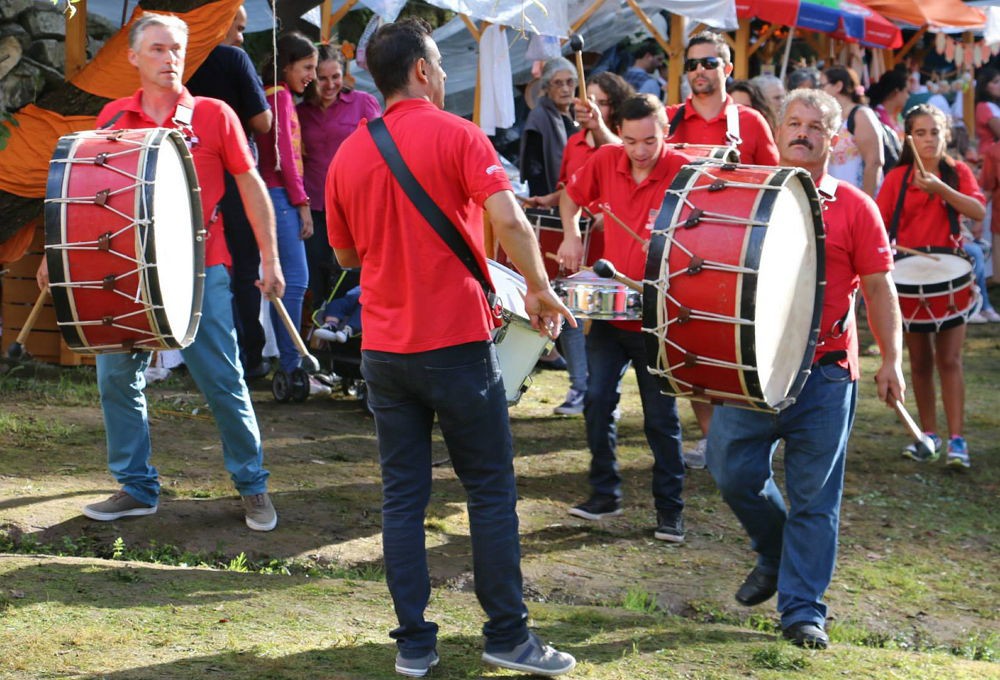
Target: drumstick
[[916, 156], [309, 362], [605, 269], [16, 349], [925, 445], [553, 256], [913, 251], [625, 227], [576, 43]]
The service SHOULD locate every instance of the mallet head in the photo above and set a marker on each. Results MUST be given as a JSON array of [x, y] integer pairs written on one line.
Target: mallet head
[[576, 42]]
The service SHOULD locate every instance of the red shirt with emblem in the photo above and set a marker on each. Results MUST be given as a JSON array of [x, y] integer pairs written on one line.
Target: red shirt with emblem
[[218, 144], [856, 245], [416, 295], [606, 179], [757, 147]]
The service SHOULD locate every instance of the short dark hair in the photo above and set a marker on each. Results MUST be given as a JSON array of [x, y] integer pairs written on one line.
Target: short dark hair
[[642, 106], [850, 84], [647, 46], [291, 47], [393, 50], [712, 38]]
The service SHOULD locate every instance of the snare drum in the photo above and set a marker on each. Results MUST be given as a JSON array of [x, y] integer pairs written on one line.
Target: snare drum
[[734, 285], [935, 294], [519, 346], [590, 296], [726, 154], [549, 232], [124, 240]]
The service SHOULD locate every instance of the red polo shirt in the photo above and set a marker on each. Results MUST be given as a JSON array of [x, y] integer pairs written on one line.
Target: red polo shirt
[[416, 295], [757, 148], [924, 221], [219, 144], [607, 180], [575, 154], [856, 245]]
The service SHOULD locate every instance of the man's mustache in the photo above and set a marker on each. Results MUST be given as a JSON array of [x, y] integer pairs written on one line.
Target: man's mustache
[[803, 141]]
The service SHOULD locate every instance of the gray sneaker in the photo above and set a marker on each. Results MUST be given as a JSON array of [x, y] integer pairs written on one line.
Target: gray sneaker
[[118, 505], [260, 514], [418, 667], [531, 656]]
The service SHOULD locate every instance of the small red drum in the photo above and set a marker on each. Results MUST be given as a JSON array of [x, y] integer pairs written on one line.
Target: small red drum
[[124, 240], [935, 294], [727, 154], [590, 296], [734, 282], [549, 232]]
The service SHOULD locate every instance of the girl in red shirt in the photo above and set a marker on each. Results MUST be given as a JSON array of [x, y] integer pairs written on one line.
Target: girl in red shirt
[[923, 220]]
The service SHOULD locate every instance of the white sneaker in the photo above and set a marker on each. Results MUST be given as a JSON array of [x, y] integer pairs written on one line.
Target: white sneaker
[[317, 388], [990, 315], [978, 317], [695, 458]]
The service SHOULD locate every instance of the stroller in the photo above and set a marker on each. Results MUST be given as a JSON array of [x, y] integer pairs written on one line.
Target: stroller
[[342, 360]]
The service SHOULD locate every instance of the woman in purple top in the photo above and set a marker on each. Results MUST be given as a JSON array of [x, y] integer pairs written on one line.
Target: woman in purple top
[[288, 72], [328, 114]]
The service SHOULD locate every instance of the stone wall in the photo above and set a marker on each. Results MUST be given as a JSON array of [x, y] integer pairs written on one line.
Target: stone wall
[[33, 48]]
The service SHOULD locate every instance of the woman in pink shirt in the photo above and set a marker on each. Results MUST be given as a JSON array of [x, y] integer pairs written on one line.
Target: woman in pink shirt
[[287, 73], [329, 113]]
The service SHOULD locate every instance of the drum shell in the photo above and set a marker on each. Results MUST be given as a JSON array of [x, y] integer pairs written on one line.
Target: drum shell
[[939, 300], [547, 226], [129, 256], [710, 356], [589, 296]]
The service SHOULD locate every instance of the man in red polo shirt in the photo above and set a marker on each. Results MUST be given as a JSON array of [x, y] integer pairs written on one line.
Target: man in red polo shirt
[[709, 116], [157, 44], [628, 181], [796, 545], [426, 348]]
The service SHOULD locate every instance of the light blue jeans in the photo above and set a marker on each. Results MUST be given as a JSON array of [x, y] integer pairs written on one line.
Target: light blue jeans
[[975, 251], [213, 360], [292, 252], [797, 542]]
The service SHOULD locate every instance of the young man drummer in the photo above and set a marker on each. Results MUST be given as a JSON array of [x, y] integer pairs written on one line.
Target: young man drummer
[[796, 544], [157, 46], [710, 116], [628, 182]]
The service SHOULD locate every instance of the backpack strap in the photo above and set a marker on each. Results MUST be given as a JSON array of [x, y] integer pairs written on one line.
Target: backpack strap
[[897, 213]]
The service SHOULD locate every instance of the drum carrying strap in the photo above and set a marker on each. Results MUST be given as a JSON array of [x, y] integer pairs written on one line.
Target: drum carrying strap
[[732, 124], [898, 212], [428, 208]]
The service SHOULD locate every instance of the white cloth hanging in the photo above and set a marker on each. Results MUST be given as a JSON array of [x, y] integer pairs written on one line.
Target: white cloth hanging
[[496, 82]]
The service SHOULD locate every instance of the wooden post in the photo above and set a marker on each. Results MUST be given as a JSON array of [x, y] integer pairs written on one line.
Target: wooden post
[[340, 13], [675, 53], [326, 16], [969, 95], [76, 40], [741, 56]]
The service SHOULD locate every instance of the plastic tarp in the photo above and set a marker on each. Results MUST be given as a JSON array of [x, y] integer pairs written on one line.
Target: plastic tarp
[[944, 14]]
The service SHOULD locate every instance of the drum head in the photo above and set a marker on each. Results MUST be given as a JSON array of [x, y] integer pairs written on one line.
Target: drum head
[[174, 248], [785, 297], [914, 270]]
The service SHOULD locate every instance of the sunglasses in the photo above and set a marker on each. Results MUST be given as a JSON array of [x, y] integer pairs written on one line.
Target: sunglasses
[[707, 63]]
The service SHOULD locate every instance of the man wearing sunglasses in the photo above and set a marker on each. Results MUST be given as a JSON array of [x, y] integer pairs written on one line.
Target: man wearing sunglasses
[[710, 116]]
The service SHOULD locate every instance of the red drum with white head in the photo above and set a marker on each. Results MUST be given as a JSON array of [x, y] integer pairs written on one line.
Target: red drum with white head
[[125, 240], [937, 292]]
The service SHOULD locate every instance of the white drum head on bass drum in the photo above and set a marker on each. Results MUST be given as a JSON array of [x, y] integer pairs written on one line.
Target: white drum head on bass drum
[[923, 271], [174, 251], [786, 290]]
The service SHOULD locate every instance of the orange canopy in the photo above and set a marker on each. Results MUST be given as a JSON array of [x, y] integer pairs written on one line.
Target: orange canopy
[[933, 13]]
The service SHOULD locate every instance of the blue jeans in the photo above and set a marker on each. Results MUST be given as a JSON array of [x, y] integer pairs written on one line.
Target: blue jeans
[[975, 251], [609, 351], [346, 309], [463, 386], [213, 362], [797, 542], [292, 252], [573, 346]]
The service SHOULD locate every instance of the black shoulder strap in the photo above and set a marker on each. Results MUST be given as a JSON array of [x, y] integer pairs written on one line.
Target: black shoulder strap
[[897, 213], [114, 119], [425, 204], [850, 118], [676, 120]]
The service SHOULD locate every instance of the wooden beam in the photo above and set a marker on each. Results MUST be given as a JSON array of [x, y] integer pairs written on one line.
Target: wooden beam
[[647, 22], [575, 28], [675, 65], [969, 96], [741, 51], [326, 14], [764, 38], [76, 40], [471, 25], [339, 14], [905, 49]]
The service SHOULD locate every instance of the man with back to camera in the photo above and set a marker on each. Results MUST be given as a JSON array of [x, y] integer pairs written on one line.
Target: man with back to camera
[[642, 73], [709, 116], [628, 181], [419, 365], [796, 545], [157, 46]]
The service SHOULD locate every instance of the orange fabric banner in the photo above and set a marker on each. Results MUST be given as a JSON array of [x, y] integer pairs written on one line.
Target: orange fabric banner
[[933, 13], [109, 74], [14, 248], [24, 163]]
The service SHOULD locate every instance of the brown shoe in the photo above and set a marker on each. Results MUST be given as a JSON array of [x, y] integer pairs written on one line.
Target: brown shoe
[[260, 513], [119, 504]]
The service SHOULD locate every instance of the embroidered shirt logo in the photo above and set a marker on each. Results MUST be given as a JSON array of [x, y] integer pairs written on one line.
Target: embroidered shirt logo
[[493, 169]]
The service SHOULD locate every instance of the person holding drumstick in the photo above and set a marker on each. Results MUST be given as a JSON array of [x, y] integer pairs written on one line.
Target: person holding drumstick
[[157, 44], [707, 118], [421, 365], [921, 201], [796, 543], [628, 181]]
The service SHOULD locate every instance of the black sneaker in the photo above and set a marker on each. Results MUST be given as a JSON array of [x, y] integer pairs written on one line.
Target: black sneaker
[[806, 634], [597, 507], [758, 587], [669, 528]]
